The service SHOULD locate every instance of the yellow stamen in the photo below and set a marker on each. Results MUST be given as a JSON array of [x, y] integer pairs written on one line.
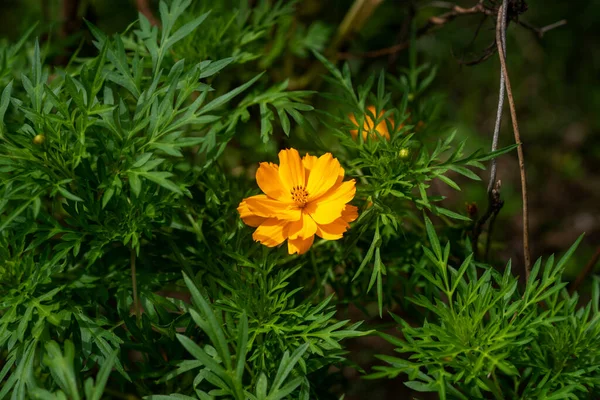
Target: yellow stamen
[[299, 195]]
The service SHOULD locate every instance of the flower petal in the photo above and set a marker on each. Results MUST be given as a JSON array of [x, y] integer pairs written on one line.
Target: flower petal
[[309, 163], [334, 230], [300, 246], [329, 207], [380, 130], [270, 232], [323, 176], [303, 228], [291, 169], [267, 177], [264, 206], [350, 213], [248, 216]]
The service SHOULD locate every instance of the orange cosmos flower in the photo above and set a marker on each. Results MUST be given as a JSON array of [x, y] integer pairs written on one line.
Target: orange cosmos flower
[[380, 130], [303, 198]]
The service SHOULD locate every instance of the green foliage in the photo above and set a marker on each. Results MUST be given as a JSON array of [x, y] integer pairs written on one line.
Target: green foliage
[[220, 370], [487, 339], [239, 31], [395, 174]]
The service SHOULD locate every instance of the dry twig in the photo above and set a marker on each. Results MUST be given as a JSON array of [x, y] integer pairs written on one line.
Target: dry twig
[[541, 31], [494, 201], [515, 124], [442, 19], [501, 38]]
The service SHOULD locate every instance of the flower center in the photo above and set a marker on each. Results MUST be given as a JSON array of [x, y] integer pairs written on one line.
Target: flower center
[[299, 195]]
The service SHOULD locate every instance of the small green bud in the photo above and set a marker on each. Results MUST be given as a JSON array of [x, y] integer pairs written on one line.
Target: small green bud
[[39, 139], [403, 153]]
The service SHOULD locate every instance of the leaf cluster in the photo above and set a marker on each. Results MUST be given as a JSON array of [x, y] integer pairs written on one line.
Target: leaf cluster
[[488, 339]]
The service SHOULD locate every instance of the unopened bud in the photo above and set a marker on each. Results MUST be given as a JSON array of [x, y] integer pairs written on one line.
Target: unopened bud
[[39, 139]]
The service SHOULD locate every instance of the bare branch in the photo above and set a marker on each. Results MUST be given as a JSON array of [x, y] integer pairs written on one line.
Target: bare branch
[[487, 53], [455, 12], [515, 124], [500, 41], [441, 20], [494, 201], [541, 31], [433, 22]]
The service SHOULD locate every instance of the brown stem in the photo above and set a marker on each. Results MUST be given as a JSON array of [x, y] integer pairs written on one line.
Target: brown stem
[[494, 201], [433, 22], [541, 31], [456, 12], [487, 53], [136, 300], [515, 124], [585, 272], [441, 20], [144, 8]]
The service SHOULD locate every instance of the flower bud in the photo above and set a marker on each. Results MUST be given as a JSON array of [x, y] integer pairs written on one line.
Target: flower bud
[[39, 139], [403, 153]]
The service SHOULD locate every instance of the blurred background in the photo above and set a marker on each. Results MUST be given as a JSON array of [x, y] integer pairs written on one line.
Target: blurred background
[[555, 78]]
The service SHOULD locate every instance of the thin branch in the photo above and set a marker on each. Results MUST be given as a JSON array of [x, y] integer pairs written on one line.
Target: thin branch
[[433, 22], [494, 201], [479, 26], [540, 32], [442, 19], [487, 53], [515, 124], [456, 11], [501, 38], [585, 272]]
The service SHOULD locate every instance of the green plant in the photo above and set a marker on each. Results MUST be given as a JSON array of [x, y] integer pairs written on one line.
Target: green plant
[[127, 272], [487, 338]]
